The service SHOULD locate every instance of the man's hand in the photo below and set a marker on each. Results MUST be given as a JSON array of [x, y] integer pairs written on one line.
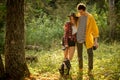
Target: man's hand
[[96, 43]]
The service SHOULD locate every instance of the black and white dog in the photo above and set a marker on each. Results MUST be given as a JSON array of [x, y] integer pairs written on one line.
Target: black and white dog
[[65, 67]]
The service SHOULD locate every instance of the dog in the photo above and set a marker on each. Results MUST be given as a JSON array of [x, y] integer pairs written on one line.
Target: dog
[[65, 68]]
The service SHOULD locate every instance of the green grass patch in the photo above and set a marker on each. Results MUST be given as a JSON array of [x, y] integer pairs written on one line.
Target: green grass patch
[[106, 62]]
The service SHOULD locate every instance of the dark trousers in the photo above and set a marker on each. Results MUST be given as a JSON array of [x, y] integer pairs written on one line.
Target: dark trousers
[[80, 57]]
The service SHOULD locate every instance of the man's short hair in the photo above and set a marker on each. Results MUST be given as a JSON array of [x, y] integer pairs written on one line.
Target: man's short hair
[[81, 6]]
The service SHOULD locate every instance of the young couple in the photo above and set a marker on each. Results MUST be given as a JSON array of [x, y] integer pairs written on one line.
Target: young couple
[[80, 30]]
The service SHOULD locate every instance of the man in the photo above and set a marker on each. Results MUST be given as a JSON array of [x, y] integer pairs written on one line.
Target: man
[[87, 34]]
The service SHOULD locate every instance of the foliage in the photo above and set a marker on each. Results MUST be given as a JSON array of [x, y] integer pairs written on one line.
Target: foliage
[[45, 15], [44, 31], [54, 7], [41, 23]]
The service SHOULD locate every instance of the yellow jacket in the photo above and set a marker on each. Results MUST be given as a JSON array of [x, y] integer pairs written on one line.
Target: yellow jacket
[[91, 31]]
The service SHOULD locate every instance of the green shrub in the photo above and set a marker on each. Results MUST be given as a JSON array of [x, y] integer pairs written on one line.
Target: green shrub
[[44, 31]]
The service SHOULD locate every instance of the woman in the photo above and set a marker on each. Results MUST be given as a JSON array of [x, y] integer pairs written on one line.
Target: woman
[[69, 40]]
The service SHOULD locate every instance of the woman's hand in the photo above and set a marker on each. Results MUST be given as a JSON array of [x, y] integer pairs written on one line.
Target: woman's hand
[[66, 46]]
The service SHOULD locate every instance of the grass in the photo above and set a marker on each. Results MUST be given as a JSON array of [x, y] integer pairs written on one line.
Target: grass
[[106, 63]]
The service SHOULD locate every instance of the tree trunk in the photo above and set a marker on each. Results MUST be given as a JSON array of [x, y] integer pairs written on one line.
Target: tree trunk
[[112, 19], [15, 64], [1, 69]]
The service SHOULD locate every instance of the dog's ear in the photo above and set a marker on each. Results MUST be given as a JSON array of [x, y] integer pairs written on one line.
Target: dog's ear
[[67, 63], [65, 66]]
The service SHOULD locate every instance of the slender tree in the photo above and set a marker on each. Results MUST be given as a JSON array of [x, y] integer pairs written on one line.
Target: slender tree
[[1, 69], [15, 64], [112, 19], [2, 19]]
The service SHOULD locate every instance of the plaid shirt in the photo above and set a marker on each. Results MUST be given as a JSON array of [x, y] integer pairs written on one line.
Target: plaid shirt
[[68, 33]]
